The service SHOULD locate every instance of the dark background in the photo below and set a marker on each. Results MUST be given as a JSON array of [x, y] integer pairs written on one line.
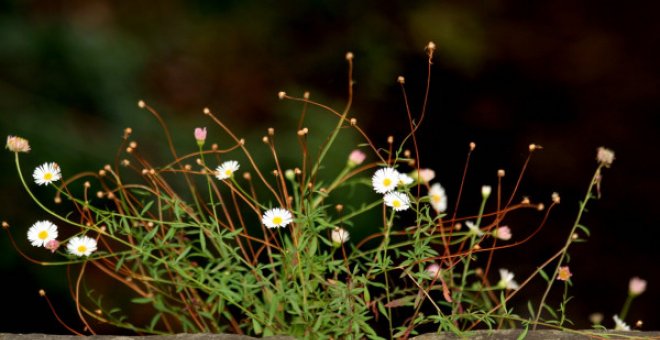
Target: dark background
[[568, 75]]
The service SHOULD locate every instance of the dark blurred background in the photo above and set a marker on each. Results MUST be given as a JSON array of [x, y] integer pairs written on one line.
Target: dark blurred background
[[567, 75]]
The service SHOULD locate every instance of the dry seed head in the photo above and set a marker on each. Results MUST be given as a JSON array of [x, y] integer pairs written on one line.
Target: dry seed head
[[240, 141], [430, 46], [107, 167], [57, 199], [5, 224], [42, 292], [353, 121], [198, 161], [247, 176], [297, 171], [303, 132], [281, 94], [525, 200], [152, 172], [98, 311], [264, 139], [125, 162], [88, 224], [533, 147], [133, 144], [401, 80], [306, 95], [639, 323], [87, 184], [271, 131], [472, 146], [575, 236], [103, 229], [390, 139], [275, 173], [458, 226], [289, 199], [476, 247], [127, 132], [540, 207], [406, 153], [555, 198], [479, 272], [141, 104], [150, 224], [339, 208], [99, 194], [500, 173], [101, 172], [129, 150], [128, 279], [111, 195], [187, 167], [349, 56], [214, 146], [145, 171], [206, 111]]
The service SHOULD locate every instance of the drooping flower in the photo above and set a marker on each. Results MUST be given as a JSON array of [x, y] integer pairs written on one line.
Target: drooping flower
[[41, 233], [503, 233], [424, 175], [200, 136], [433, 269], [619, 325], [81, 246], [226, 169], [438, 198], [47, 173], [564, 273], [52, 245], [473, 228], [605, 156], [397, 200], [507, 281], [636, 286], [405, 180], [276, 217], [385, 180], [17, 144], [356, 158], [339, 236]]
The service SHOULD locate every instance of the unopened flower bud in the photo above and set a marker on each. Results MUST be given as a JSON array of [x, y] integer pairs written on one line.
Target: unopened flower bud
[[289, 174], [200, 136], [339, 236], [349, 55], [636, 286], [485, 191], [141, 104], [472, 146], [401, 80], [433, 269], [356, 158], [500, 173], [555, 198], [353, 121], [281, 94], [306, 95]]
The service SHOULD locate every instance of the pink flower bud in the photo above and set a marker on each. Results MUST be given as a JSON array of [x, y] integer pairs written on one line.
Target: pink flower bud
[[200, 135], [426, 175], [433, 269], [356, 158], [637, 286], [503, 233], [52, 245]]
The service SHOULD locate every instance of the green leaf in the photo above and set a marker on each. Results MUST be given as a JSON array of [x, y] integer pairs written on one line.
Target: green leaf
[[523, 334], [141, 300]]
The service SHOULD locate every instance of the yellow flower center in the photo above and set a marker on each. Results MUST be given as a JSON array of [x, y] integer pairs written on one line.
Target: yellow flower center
[[43, 235], [436, 198], [228, 172], [387, 182], [396, 203], [277, 220], [564, 274], [82, 249], [48, 176]]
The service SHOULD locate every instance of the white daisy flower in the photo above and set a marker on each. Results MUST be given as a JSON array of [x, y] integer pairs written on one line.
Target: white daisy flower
[[47, 173], [619, 325], [41, 233], [226, 169], [473, 228], [438, 198], [81, 246], [385, 180], [276, 217], [405, 180], [339, 236], [507, 281], [397, 200]]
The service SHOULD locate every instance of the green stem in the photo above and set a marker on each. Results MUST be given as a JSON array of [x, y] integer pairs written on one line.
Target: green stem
[[626, 306]]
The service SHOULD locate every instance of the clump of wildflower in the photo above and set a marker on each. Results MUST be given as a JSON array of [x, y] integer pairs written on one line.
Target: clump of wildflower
[[506, 280], [17, 144], [200, 136], [81, 246], [276, 217], [47, 173], [564, 273], [226, 169], [605, 156], [619, 325], [473, 228], [339, 236], [397, 200], [385, 180], [503, 233], [41, 233], [438, 198], [636, 286], [356, 158]]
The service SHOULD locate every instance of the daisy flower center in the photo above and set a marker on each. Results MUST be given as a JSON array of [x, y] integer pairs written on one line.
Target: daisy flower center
[[277, 220], [436, 198], [48, 176], [82, 249], [43, 235], [228, 172], [396, 203], [387, 182]]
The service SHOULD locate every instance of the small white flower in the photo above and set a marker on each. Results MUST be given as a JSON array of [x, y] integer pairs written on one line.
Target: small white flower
[[425, 175], [405, 180], [397, 200], [473, 228], [47, 173], [619, 325], [507, 281], [385, 180], [81, 246], [438, 198], [41, 233], [486, 190], [276, 217], [339, 236], [226, 169]]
